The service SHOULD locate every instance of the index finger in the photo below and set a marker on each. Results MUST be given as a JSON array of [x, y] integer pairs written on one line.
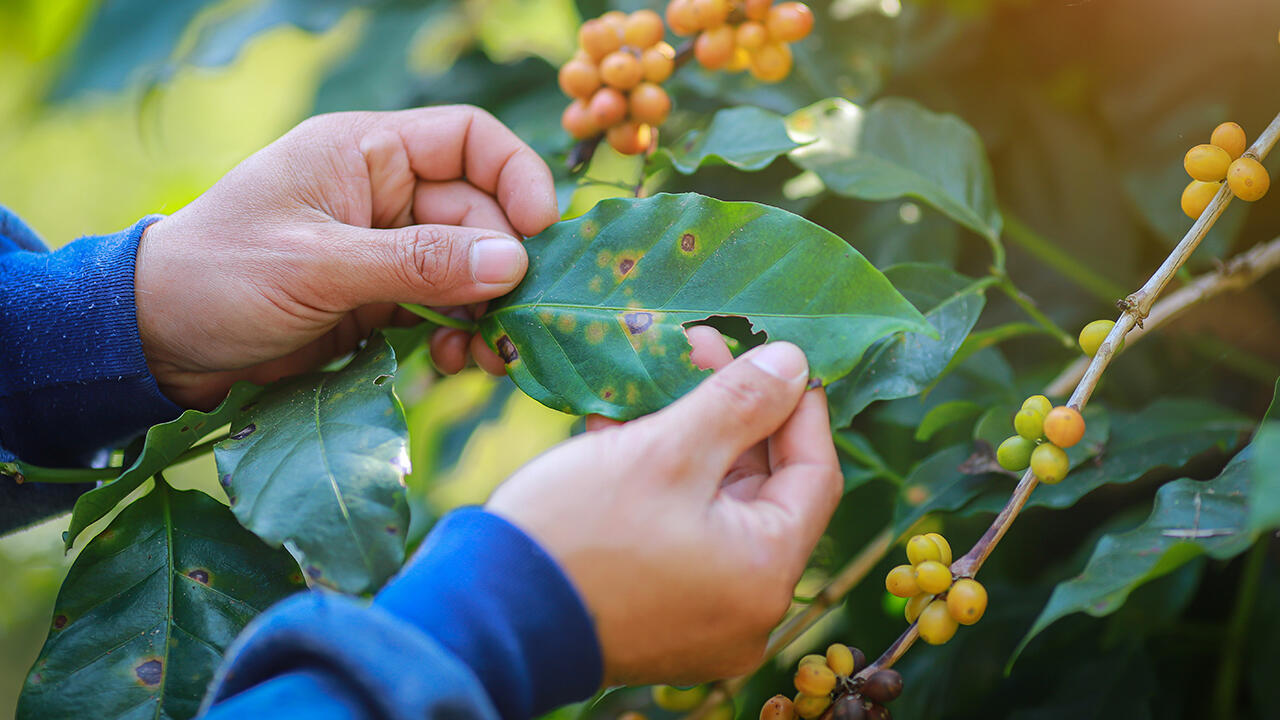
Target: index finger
[[461, 141]]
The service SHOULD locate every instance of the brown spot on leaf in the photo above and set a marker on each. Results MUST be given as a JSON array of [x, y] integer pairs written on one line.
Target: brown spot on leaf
[[606, 394], [185, 428], [638, 322], [247, 407], [814, 383], [595, 333], [688, 242], [244, 432], [392, 530], [625, 266], [200, 575], [60, 621], [507, 350], [150, 672]]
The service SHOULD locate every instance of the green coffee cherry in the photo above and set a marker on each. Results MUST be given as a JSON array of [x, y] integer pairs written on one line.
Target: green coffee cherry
[[1015, 453], [1029, 423]]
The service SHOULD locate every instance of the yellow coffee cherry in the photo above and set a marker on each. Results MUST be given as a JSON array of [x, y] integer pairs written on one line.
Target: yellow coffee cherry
[[1206, 163], [901, 581], [1029, 423], [936, 625], [967, 601], [1093, 335], [1230, 137], [1248, 179], [809, 707], [814, 679], [916, 605], [673, 698], [1064, 426], [840, 659], [933, 577], [1049, 463], [1039, 403], [1196, 196], [944, 547], [921, 548], [813, 658]]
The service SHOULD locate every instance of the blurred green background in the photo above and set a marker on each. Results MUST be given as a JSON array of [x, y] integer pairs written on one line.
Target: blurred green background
[[113, 110]]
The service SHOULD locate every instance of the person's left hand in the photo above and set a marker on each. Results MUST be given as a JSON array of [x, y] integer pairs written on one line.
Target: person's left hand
[[294, 256]]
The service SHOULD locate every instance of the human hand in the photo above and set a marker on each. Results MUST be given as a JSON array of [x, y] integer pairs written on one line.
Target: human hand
[[275, 270], [686, 531]]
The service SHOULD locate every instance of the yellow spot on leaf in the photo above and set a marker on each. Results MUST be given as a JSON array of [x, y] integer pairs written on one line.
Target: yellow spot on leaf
[[595, 332]]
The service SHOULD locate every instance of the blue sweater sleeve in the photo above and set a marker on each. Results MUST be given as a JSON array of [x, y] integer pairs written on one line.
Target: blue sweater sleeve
[[481, 624], [73, 379]]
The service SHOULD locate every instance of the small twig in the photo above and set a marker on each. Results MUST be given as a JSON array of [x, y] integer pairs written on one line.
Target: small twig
[[1055, 257], [21, 472]]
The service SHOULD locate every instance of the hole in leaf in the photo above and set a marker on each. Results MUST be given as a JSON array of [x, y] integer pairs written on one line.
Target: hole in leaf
[[244, 432], [738, 329], [381, 379]]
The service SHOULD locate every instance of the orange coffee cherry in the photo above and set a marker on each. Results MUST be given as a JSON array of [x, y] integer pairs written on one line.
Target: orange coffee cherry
[[714, 48], [1206, 163], [630, 138], [649, 104], [1064, 426], [771, 62], [642, 29], [751, 35], [1230, 137], [756, 9], [577, 121], [607, 107], [1248, 179], [658, 62], [711, 13], [1197, 196], [621, 70], [680, 17], [789, 22], [579, 79]]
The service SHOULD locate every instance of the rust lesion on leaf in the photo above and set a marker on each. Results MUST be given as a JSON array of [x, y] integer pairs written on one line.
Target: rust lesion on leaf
[[596, 284], [149, 672], [507, 350], [637, 322], [200, 575], [566, 322], [595, 332], [60, 621], [688, 243], [607, 393]]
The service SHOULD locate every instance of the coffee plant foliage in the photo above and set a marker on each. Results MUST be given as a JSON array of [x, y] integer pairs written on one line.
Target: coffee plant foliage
[[932, 204]]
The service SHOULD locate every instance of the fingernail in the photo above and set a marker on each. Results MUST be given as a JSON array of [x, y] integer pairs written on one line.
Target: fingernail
[[497, 261], [781, 360]]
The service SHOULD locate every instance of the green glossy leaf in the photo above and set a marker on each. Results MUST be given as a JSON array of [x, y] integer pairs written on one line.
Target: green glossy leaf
[[1168, 433], [597, 324], [747, 138], [1190, 518], [148, 609], [898, 148], [945, 415], [164, 444], [317, 463], [942, 482], [905, 364], [1264, 503], [859, 461]]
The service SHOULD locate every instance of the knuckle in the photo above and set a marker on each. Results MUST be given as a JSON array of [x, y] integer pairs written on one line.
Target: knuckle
[[737, 395], [426, 258]]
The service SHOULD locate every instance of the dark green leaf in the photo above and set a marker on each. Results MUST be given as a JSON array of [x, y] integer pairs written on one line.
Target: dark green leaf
[[1168, 433], [317, 463], [148, 609], [897, 148], [906, 363], [221, 38], [944, 415], [747, 138], [943, 482], [597, 324], [164, 443], [859, 461]]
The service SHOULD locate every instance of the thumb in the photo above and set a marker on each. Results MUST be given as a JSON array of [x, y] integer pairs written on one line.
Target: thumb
[[738, 406], [425, 264]]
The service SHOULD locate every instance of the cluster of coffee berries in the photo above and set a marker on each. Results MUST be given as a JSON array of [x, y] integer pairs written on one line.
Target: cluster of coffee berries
[[935, 603], [828, 689], [676, 699], [1043, 432], [615, 80], [737, 35], [1223, 158], [1093, 335]]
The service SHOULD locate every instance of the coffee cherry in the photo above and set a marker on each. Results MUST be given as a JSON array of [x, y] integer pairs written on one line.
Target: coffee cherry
[[901, 581], [1029, 424], [577, 121], [883, 686], [778, 707], [813, 658], [1248, 179], [714, 47], [658, 62], [771, 63], [809, 707], [675, 699], [607, 107], [921, 548], [859, 659], [789, 22], [621, 70], [1015, 453], [967, 601], [630, 138], [933, 577], [1093, 334], [1230, 137], [711, 14], [1206, 163], [579, 79], [936, 624], [916, 605], [642, 29], [757, 10], [649, 104], [740, 61], [1038, 403], [751, 35], [1049, 463], [599, 37], [1064, 426], [680, 17], [632, 715], [814, 679], [1196, 196], [878, 712], [840, 659], [944, 547], [848, 707]]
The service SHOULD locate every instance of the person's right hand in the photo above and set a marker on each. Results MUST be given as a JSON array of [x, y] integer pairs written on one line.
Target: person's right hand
[[685, 531]]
